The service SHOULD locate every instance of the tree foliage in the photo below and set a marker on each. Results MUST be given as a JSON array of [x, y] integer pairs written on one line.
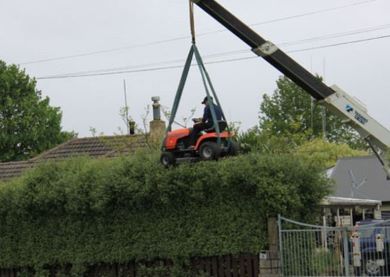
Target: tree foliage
[[85, 211], [290, 111], [318, 151], [264, 141], [28, 124], [325, 154]]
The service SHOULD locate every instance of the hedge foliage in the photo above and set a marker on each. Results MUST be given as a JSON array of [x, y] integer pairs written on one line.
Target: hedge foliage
[[85, 211]]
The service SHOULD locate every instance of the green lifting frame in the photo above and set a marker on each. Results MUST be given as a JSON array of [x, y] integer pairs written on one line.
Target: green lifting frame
[[207, 85]]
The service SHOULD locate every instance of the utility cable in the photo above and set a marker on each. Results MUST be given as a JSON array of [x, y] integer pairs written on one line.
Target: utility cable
[[86, 54], [338, 35], [296, 16], [243, 51], [313, 39], [186, 37], [339, 44], [70, 75]]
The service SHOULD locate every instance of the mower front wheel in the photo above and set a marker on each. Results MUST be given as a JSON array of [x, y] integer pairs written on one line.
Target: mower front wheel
[[167, 159], [209, 150]]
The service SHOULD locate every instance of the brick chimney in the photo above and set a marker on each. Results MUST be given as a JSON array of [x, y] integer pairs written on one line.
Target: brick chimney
[[157, 126]]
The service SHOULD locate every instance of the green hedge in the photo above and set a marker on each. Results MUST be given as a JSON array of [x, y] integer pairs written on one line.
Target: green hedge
[[85, 211]]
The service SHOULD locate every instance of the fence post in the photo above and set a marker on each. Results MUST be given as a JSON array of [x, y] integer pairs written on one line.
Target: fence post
[[273, 236], [280, 245], [270, 263], [346, 251]]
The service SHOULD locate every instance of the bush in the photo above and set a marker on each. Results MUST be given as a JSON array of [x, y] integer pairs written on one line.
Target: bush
[[85, 211]]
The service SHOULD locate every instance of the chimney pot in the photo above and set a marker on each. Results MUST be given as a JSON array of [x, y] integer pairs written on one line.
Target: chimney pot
[[156, 108], [132, 127], [157, 126]]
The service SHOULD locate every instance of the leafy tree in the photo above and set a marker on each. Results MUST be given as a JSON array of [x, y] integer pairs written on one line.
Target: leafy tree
[[28, 125], [291, 111], [319, 152], [266, 142], [325, 154]]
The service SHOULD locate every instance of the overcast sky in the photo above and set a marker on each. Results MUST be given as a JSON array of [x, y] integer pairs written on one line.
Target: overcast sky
[[49, 38]]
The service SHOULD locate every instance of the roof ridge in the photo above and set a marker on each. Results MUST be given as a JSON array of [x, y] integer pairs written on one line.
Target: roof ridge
[[107, 136]]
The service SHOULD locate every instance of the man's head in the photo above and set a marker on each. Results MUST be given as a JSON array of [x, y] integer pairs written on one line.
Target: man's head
[[205, 100]]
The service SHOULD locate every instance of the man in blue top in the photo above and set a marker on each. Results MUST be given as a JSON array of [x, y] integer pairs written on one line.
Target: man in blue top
[[206, 122]]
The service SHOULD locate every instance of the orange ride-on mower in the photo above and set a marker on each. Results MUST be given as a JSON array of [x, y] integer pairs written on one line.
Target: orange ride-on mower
[[176, 146]]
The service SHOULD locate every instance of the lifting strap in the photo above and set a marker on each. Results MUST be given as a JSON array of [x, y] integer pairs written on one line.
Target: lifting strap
[[207, 85], [192, 22], [179, 91]]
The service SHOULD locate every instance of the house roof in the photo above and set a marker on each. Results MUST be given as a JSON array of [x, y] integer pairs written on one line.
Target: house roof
[[360, 177], [103, 146]]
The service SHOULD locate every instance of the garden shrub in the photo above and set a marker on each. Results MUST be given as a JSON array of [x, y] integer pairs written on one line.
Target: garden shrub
[[86, 211]]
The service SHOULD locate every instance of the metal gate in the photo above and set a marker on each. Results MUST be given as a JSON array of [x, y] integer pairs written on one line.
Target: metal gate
[[312, 250]]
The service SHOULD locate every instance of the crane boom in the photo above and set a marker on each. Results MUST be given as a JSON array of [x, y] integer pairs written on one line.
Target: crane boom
[[350, 110], [270, 52]]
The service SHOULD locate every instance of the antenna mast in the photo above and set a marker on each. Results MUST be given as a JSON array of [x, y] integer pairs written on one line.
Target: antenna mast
[[126, 108]]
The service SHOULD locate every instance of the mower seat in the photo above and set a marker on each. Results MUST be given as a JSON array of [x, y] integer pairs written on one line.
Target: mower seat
[[221, 124]]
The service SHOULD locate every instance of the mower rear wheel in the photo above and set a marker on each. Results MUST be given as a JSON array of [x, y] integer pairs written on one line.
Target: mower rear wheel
[[234, 148], [167, 159], [209, 150]]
